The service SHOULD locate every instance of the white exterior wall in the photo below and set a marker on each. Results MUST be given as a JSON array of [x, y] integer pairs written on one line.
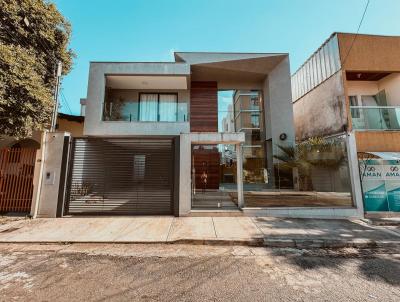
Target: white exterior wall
[[278, 108], [49, 188], [390, 83]]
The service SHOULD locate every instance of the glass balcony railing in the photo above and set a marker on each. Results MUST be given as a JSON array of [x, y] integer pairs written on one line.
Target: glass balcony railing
[[134, 111], [375, 118]]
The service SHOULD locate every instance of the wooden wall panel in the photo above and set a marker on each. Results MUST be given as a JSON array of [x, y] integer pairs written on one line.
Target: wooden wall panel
[[378, 141], [203, 107], [206, 160]]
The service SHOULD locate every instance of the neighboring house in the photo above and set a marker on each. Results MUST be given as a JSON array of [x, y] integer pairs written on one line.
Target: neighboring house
[[23, 162], [70, 123], [351, 87]]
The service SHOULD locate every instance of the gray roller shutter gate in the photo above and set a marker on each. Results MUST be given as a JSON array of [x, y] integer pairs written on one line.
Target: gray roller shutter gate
[[121, 176]]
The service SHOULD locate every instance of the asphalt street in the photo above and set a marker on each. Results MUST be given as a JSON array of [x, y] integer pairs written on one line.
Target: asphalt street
[[195, 273]]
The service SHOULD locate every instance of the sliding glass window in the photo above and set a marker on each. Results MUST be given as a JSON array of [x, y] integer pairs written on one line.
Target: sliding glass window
[[158, 107], [168, 106], [131, 105], [148, 108]]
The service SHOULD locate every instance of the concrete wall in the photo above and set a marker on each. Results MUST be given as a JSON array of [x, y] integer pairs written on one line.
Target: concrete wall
[[38, 174], [96, 92], [322, 111], [52, 162], [278, 108]]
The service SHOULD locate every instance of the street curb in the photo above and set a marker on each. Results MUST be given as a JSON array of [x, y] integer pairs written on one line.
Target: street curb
[[329, 243], [299, 243], [255, 242]]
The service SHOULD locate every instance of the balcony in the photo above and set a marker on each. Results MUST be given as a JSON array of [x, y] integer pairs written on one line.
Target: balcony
[[375, 118], [131, 112], [150, 107]]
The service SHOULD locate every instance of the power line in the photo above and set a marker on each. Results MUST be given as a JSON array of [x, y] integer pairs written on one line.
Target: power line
[[65, 102], [62, 105], [358, 30]]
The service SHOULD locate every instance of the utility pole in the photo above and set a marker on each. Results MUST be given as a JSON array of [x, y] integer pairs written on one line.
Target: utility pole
[[56, 91]]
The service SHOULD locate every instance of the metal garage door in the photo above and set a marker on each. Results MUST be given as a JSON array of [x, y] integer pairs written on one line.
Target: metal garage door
[[120, 176]]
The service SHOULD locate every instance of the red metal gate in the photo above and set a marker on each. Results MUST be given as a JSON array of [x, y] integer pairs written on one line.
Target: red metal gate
[[16, 179]]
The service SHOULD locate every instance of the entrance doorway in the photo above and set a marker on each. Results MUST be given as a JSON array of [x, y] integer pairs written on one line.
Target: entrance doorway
[[214, 177]]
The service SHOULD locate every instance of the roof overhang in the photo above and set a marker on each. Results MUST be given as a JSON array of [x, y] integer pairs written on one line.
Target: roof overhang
[[230, 68], [365, 76]]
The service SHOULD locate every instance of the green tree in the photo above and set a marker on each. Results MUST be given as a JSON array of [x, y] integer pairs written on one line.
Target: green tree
[[34, 36]]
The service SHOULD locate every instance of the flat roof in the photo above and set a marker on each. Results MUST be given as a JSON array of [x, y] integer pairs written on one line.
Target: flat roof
[[176, 53]]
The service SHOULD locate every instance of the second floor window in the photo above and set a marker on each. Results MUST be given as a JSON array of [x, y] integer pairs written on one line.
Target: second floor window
[[131, 106], [158, 107], [148, 107]]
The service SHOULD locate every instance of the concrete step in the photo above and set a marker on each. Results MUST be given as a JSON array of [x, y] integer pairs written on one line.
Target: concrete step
[[212, 198], [383, 221]]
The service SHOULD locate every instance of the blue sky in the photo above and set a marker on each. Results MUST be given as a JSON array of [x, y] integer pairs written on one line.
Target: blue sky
[[151, 30]]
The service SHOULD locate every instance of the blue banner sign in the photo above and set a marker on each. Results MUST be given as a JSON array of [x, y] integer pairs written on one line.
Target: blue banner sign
[[381, 185]]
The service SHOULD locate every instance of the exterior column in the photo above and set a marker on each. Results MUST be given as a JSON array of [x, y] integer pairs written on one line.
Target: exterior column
[[239, 164], [355, 173], [38, 175], [185, 190]]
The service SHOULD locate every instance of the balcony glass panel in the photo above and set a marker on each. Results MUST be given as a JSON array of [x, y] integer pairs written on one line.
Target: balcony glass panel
[[253, 137], [249, 120], [147, 107], [168, 107], [225, 111], [375, 118], [183, 115]]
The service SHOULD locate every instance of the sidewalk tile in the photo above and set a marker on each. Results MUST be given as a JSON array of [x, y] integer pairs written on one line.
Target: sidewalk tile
[[192, 228], [146, 229], [236, 228]]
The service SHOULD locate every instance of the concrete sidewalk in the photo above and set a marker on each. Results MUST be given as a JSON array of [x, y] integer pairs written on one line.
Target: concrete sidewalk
[[259, 231]]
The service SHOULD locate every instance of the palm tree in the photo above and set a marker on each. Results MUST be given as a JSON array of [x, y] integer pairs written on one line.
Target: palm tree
[[314, 152]]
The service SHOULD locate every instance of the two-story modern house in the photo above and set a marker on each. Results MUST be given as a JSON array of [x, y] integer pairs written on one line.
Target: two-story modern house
[[176, 137], [208, 132], [351, 87]]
